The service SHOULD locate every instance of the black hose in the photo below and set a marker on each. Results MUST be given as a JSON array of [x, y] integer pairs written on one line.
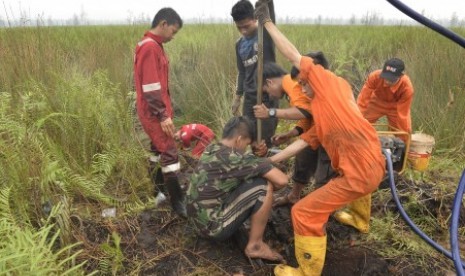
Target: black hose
[[428, 22], [454, 226], [406, 217]]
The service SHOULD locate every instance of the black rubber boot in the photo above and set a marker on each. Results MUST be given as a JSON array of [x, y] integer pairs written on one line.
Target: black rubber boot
[[158, 181], [176, 196], [159, 191]]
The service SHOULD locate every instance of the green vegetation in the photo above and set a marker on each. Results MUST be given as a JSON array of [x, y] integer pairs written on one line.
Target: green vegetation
[[67, 144]]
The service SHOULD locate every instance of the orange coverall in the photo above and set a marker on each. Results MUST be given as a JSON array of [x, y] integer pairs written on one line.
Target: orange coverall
[[350, 141], [298, 99], [377, 99]]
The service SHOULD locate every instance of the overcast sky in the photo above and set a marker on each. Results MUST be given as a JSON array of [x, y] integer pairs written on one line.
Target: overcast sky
[[119, 10]]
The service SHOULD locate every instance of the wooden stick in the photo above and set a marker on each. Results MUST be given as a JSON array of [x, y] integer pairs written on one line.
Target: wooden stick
[[260, 79]]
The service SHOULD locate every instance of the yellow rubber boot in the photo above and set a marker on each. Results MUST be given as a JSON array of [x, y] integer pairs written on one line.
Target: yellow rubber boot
[[357, 214], [310, 253]]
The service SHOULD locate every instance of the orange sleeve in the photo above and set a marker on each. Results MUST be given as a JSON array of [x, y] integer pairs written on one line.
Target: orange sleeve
[[297, 98], [311, 138], [366, 93], [403, 107], [288, 84], [305, 124]]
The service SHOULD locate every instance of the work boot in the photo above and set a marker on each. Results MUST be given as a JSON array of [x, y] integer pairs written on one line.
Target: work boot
[[156, 176], [158, 181], [176, 196], [357, 214], [310, 253]]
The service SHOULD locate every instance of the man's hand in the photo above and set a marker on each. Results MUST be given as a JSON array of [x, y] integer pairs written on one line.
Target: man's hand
[[260, 111], [259, 149], [262, 13], [236, 104], [168, 127], [278, 139]]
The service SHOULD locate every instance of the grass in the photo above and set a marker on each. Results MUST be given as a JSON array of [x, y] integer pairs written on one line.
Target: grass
[[66, 124]]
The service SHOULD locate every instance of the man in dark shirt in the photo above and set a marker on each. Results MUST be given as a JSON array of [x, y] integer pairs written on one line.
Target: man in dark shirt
[[247, 63]]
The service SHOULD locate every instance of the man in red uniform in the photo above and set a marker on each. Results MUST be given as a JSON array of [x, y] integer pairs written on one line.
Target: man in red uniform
[[388, 92], [350, 141], [195, 133], [153, 102]]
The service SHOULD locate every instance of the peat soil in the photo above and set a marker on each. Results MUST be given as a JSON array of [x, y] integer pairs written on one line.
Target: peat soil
[[157, 242]]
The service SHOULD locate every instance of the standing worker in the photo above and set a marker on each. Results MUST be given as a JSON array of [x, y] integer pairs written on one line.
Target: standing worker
[[153, 102], [278, 83], [247, 65], [388, 92], [350, 141]]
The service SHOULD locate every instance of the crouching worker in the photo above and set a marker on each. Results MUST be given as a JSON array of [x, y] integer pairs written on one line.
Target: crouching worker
[[197, 134], [229, 186], [351, 143]]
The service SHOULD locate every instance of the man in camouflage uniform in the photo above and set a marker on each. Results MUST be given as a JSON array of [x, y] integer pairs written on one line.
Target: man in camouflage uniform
[[230, 186]]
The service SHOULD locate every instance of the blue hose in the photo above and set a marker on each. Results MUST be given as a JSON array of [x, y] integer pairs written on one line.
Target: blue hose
[[454, 226], [428, 22], [455, 256], [406, 217]]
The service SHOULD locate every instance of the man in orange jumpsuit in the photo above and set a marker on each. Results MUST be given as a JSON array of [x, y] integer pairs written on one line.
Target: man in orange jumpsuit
[[388, 92], [153, 101], [307, 162], [199, 134], [350, 141]]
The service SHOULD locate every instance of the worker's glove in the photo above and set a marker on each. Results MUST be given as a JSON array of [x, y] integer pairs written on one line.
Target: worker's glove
[[236, 104], [259, 149], [262, 13]]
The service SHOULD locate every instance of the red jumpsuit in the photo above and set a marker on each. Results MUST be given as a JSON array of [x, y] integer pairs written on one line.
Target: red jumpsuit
[[350, 141], [196, 133], [377, 99], [153, 98]]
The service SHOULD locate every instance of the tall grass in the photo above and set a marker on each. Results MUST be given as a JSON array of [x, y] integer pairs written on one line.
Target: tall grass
[[66, 127]]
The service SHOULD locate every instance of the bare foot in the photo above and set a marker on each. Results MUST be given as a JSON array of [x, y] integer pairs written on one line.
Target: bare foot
[[262, 251]]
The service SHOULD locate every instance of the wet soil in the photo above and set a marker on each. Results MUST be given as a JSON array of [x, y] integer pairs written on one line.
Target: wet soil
[[157, 242]]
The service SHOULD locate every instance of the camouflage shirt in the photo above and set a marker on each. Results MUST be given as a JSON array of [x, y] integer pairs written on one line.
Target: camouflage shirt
[[220, 170]]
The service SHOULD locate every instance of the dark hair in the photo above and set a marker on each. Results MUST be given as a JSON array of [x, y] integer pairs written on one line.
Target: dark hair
[[318, 58], [168, 14], [272, 70], [242, 10], [239, 126]]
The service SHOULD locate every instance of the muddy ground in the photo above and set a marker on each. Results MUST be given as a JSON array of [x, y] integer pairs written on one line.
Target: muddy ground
[[157, 242]]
